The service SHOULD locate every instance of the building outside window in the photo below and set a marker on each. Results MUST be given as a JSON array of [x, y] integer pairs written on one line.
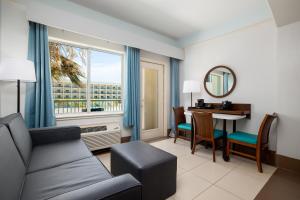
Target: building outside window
[[85, 79]]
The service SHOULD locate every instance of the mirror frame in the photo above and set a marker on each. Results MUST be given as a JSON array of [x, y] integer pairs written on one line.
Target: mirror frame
[[232, 88]]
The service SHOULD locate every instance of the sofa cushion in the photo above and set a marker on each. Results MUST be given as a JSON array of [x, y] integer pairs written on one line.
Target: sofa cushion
[[20, 135], [12, 168], [55, 154], [55, 181]]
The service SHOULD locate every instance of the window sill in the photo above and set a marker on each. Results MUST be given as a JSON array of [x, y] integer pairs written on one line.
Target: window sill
[[70, 116]]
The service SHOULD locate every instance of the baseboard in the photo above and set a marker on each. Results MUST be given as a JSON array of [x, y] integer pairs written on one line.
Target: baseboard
[[272, 158], [288, 163], [156, 139], [125, 139], [169, 131], [269, 157]]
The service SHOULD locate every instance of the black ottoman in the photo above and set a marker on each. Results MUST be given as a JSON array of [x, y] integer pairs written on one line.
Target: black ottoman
[[154, 168]]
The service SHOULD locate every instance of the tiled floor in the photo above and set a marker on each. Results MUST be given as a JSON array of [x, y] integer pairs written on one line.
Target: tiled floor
[[199, 178]]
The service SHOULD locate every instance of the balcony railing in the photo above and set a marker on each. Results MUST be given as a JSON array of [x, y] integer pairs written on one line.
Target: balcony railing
[[63, 106]]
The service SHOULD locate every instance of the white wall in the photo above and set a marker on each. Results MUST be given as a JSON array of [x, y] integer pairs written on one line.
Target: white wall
[[285, 12], [82, 40], [266, 61], [250, 53], [288, 90], [66, 15], [14, 42]]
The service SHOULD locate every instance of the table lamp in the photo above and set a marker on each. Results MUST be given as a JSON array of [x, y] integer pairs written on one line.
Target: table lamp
[[191, 86], [19, 70]]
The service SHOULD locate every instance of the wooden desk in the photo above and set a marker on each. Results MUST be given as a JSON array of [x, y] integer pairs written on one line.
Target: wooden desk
[[220, 116], [237, 112], [236, 109]]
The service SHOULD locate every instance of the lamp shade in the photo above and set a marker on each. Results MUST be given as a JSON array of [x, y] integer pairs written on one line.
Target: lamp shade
[[17, 69], [190, 86]]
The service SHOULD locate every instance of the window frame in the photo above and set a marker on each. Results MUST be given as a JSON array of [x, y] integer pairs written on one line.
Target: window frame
[[88, 65]]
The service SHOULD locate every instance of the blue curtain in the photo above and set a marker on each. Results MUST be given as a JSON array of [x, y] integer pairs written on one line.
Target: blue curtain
[[132, 98], [225, 80], [174, 65], [39, 109]]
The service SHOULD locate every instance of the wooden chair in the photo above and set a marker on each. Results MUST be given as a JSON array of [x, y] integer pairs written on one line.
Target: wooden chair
[[180, 123], [204, 130], [258, 142]]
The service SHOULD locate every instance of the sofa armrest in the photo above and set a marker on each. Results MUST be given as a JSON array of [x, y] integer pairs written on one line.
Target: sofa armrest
[[124, 187], [48, 135]]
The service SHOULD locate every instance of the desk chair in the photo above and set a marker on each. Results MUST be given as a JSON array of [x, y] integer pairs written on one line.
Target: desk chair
[[258, 142], [204, 130], [180, 123]]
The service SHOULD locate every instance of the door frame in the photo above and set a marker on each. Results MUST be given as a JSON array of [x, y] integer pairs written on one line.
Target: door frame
[[164, 118]]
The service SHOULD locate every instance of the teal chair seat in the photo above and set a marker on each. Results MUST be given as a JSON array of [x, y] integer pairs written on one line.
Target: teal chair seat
[[243, 137], [185, 126], [218, 133]]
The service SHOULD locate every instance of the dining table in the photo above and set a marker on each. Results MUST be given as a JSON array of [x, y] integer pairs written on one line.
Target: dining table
[[224, 118]]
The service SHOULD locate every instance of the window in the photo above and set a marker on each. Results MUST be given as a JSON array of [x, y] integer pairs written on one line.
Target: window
[[84, 79]]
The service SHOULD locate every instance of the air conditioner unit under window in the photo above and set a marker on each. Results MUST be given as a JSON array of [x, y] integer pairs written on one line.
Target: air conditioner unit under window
[[101, 136]]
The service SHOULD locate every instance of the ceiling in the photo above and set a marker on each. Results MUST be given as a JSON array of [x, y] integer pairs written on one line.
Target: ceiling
[[285, 12], [180, 19]]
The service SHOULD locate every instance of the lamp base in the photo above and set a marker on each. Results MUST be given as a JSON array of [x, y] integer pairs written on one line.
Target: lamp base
[[18, 95], [191, 99]]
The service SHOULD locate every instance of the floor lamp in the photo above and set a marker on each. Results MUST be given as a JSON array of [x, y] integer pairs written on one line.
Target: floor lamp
[[17, 70], [191, 86]]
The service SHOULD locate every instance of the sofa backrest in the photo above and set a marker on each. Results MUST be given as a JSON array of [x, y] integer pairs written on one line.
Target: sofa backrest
[[20, 135], [12, 168]]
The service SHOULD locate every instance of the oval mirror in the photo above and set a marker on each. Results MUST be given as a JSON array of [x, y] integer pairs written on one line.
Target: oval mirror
[[220, 81]]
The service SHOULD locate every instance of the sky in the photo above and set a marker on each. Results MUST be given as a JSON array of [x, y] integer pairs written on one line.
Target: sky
[[105, 67]]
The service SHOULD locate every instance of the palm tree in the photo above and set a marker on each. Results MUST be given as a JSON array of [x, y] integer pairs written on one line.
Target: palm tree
[[62, 64]]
